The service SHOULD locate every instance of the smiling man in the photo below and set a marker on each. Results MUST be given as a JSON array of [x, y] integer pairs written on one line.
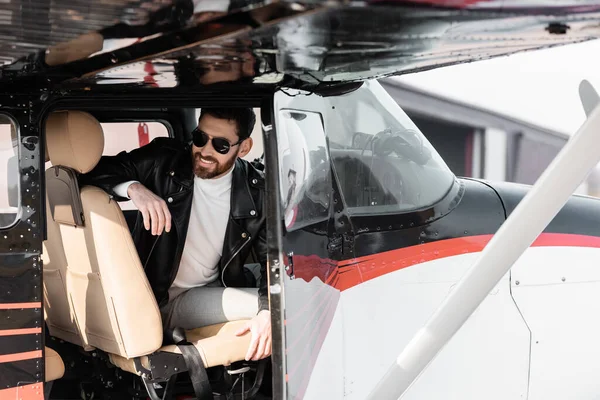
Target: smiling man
[[201, 215]]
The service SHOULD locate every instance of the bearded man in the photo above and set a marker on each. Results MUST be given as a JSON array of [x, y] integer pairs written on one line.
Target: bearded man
[[200, 216]]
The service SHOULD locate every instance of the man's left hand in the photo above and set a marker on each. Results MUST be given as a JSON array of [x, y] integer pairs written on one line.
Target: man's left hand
[[260, 344]]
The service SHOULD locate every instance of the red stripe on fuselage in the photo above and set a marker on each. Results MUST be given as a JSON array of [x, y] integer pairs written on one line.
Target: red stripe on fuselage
[[24, 331], [355, 271], [15, 306], [33, 391], [20, 356]]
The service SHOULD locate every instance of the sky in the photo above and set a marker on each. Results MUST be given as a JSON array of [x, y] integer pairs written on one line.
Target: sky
[[540, 87]]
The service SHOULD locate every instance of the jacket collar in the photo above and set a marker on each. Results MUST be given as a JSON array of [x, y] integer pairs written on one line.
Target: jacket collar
[[183, 171], [242, 203]]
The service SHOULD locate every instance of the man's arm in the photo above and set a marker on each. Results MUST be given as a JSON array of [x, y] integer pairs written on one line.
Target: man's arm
[[126, 176], [111, 171], [122, 188]]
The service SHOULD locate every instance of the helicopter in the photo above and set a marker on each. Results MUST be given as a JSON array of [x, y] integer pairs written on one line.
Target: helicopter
[[388, 275]]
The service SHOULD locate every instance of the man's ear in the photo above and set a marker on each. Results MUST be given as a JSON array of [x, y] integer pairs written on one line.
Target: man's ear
[[245, 147]]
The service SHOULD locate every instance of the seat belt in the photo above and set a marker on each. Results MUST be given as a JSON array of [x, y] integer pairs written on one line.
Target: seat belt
[[194, 363]]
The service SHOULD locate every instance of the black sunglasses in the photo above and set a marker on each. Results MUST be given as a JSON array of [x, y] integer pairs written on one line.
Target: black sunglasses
[[221, 145]]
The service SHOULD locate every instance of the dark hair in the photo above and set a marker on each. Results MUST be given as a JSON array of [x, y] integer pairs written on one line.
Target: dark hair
[[244, 118]]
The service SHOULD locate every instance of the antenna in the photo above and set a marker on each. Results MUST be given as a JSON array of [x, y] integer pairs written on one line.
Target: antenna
[[523, 226]]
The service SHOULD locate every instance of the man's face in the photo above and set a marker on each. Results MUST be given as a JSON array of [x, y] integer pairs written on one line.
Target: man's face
[[208, 163]]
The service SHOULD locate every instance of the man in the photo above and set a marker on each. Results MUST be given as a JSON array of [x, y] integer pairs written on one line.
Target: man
[[201, 216]]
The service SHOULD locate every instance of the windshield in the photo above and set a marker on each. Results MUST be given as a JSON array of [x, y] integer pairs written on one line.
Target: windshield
[[383, 162]]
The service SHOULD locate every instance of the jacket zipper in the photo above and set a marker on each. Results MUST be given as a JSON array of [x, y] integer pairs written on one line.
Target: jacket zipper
[[231, 258]]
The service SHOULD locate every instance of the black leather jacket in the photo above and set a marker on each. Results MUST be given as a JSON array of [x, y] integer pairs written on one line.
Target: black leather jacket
[[165, 167]]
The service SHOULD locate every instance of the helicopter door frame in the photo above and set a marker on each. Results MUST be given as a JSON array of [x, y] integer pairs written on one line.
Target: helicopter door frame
[[22, 367], [308, 232], [275, 262]]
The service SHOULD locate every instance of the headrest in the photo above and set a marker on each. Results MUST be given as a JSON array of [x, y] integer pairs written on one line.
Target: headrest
[[74, 139]]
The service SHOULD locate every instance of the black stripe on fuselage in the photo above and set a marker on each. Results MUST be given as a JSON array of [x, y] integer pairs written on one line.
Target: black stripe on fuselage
[[479, 212], [18, 373], [20, 318], [20, 343], [580, 215]]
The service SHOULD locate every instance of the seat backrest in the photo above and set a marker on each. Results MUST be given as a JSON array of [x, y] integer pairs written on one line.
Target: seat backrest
[[59, 315], [58, 312], [109, 294]]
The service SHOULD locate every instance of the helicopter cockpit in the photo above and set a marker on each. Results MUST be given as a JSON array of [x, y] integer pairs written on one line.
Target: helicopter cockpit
[[382, 162]]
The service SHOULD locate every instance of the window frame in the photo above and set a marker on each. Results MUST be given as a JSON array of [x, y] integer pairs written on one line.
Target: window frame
[[164, 123], [17, 149], [325, 216]]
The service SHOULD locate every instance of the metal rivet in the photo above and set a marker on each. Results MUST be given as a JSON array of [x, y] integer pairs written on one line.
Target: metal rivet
[[172, 173], [170, 199], [244, 235], [254, 181], [252, 212], [517, 283]]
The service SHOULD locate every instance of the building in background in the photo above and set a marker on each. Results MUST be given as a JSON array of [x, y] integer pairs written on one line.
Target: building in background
[[476, 142], [506, 118]]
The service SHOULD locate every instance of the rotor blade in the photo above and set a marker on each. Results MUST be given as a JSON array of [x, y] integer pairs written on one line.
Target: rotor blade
[[541, 204], [589, 97]]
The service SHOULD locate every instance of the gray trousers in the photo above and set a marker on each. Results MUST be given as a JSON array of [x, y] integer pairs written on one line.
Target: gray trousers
[[208, 305]]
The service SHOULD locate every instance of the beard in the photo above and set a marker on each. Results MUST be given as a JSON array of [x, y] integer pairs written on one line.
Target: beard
[[215, 170]]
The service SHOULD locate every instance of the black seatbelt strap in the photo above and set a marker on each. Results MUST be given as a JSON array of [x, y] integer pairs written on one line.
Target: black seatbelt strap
[[194, 363]]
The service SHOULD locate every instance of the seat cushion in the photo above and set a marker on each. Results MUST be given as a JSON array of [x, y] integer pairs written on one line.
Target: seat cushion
[[55, 368], [217, 345]]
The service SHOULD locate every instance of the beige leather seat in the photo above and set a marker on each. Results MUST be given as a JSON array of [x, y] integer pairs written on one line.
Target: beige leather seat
[[55, 368], [217, 345], [96, 292], [58, 312]]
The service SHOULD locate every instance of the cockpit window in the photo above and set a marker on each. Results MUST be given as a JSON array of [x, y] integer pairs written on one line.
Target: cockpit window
[[10, 198], [304, 168], [383, 162]]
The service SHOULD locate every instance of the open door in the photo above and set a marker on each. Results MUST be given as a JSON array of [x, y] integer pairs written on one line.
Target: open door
[[356, 191], [21, 233], [306, 245]]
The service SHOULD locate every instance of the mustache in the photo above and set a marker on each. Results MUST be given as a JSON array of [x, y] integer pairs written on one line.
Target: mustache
[[197, 157]]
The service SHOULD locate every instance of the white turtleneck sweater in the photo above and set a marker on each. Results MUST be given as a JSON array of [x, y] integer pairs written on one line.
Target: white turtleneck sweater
[[206, 232]]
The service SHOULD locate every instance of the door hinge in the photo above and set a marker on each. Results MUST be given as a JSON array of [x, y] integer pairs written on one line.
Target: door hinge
[[335, 243], [343, 244], [289, 268]]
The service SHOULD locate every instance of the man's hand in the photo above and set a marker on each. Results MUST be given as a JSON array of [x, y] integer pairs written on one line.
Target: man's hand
[[260, 344], [153, 208]]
